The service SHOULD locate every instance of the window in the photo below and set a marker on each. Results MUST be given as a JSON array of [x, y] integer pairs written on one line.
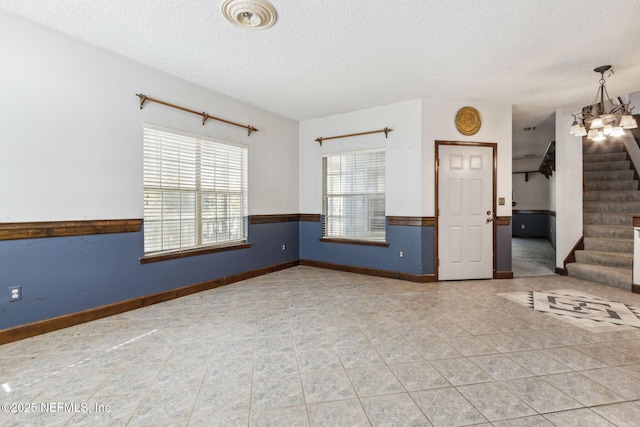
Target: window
[[195, 191], [353, 195]]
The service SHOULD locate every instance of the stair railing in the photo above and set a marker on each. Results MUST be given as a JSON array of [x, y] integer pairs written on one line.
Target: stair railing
[[548, 163]]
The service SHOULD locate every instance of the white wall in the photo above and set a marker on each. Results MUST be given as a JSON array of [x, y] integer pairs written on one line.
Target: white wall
[[568, 187], [538, 193], [403, 147], [526, 164], [71, 130], [410, 148], [534, 194], [634, 101], [552, 192], [438, 123]]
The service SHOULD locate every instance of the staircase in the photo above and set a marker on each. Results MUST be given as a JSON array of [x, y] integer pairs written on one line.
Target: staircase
[[611, 197]]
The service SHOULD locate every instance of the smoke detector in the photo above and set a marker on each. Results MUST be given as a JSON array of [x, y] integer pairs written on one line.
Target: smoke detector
[[250, 14]]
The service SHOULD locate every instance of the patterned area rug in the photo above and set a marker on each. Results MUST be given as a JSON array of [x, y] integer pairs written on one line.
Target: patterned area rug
[[583, 310]]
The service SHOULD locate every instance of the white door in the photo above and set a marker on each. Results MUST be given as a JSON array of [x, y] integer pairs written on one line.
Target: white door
[[465, 205]]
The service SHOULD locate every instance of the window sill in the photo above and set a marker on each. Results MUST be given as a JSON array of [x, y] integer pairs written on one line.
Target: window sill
[[192, 252], [354, 242]]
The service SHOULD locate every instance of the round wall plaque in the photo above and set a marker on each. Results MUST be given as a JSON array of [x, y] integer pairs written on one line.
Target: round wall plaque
[[468, 121]]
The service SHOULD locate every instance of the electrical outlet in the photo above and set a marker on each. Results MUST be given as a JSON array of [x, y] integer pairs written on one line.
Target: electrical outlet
[[15, 293], [401, 254], [284, 247], [521, 226]]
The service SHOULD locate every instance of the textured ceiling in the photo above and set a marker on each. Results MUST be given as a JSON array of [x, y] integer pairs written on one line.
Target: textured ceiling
[[325, 57]]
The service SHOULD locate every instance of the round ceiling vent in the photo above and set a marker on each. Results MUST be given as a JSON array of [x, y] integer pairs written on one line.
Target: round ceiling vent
[[250, 14]]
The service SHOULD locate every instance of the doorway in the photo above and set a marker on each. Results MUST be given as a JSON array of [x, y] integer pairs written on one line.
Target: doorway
[[533, 225]]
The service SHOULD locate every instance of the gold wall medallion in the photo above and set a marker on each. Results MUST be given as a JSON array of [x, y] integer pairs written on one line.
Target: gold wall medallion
[[468, 121]]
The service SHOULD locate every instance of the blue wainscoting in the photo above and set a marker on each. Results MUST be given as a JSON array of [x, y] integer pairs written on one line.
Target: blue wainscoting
[[428, 249], [535, 223], [503, 249], [64, 275], [416, 243]]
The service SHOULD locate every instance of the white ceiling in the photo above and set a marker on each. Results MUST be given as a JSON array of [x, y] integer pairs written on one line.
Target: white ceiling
[[325, 57]]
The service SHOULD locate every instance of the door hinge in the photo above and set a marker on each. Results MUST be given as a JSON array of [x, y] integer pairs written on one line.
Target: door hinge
[[438, 262]]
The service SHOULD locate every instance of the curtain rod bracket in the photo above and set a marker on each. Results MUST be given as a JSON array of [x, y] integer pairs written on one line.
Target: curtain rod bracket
[[142, 99], [319, 140]]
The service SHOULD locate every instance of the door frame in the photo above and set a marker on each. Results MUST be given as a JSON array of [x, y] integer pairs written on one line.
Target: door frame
[[494, 149]]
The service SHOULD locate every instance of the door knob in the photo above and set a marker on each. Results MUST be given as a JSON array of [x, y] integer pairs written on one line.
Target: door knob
[[490, 217]]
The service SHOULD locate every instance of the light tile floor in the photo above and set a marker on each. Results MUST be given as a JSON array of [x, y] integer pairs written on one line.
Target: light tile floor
[[307, 346]]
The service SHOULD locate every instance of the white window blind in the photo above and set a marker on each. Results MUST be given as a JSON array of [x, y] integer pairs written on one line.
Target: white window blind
[[195, 191], [354, 195]]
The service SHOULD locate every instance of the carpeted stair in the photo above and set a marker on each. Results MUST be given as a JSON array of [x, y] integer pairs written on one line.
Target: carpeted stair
[[611, 197]]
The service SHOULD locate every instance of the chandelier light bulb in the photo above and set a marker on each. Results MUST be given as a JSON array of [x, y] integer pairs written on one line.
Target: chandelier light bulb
[[599, 137], [581, 132], [597, 123], [617, 131], [575, 128], [248, 18], [592, 134]]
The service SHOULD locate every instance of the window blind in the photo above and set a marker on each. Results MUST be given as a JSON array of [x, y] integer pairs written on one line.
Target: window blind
[[195, 191], [354, 195]]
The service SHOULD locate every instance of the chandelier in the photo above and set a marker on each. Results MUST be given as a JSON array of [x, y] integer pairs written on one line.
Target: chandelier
[[604, 117]]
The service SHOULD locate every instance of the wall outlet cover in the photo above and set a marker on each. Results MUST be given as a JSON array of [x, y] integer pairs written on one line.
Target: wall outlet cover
[[15, 293]]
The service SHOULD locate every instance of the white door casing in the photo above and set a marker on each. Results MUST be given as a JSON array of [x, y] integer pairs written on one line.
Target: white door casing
[[465, 212]]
